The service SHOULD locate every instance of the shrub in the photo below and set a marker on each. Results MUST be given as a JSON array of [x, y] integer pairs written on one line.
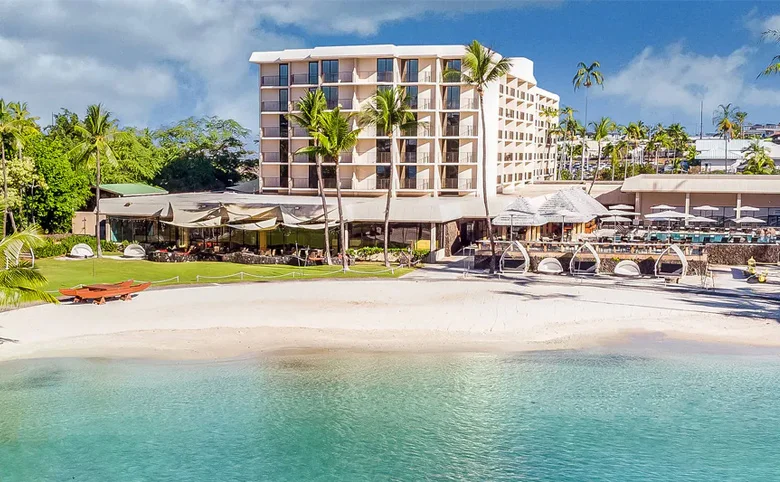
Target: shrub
[[61, 247]]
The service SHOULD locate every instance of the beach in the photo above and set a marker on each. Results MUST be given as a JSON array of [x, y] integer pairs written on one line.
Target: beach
[[223, 321]]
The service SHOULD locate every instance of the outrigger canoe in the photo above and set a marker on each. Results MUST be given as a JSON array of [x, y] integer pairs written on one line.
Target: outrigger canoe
[[98, 293]]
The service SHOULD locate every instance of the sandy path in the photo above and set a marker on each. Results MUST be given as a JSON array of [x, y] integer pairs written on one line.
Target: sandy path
[[223, 321]]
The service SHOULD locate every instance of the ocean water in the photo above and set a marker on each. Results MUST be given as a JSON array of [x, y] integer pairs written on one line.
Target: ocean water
[[557, 416]]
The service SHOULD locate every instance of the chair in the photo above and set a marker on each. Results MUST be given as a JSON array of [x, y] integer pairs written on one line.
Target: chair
[[628, 269], [549, 266], [81, 250], [134, 251]]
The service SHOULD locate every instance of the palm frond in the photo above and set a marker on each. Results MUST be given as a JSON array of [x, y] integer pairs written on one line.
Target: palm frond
[[15, 296]]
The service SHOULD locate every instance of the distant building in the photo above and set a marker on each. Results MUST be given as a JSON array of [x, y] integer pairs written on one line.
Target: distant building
[[712, 154]]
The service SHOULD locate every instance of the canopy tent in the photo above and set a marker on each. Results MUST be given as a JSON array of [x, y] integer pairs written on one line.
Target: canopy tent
[[621, 207], [662, 207]]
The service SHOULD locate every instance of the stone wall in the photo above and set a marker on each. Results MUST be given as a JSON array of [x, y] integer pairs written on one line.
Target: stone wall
[[738, 254]]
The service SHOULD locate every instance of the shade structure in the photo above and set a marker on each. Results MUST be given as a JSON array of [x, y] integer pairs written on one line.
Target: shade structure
[[748, 208], [616, 219], [618, 212], [668, 215], [706, 207], [748, 220], [662, 207], [701, 219], [621, 207]]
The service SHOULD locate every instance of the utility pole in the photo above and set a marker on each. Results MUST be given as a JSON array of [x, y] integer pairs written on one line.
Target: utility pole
[[701, 121]]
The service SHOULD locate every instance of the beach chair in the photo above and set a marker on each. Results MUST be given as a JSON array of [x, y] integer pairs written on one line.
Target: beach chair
[[549, 266], [514, 259], [628, 269], [582, 267]]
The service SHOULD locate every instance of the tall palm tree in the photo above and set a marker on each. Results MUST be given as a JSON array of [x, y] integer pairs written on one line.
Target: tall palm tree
[[95, 136], [635, 133], [482, 69], [26, 125], [723, 119], [601, 130], [549, 113], [389, 111], [334, 136], [19, 281], [774, 65], [740, 118], [620, 153], [11, 133], [567, 114], [310, 108], [586, 76], [679, 138], [555, 132], [758, 158]]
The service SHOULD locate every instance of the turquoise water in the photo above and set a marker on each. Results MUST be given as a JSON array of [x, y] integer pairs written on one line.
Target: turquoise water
[[532, 417]]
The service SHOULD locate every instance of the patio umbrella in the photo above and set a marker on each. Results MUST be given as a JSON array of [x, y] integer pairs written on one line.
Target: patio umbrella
[[662, 207], [748, 220], [749, 208], [668, 215], [622, 207], [616, 219], [618, 212], [701, 219], [706, 207]]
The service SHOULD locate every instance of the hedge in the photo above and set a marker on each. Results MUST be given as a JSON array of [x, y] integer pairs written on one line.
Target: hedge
[[61, 247]]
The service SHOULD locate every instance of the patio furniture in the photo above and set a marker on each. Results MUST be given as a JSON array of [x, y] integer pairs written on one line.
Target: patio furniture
[[580, 267], [628, 269], [515, 259], [82, 251], [134, 251], [549, 266]]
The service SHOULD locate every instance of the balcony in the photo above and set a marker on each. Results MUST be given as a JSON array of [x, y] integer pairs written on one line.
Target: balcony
[[336, 77], [415, 183], [382, 184], [413, 77], [300, 132], [457, 183], [469, 104], [273, 81], [304, 158], [273, 106], [273, 157], [419, 104], [330, 183], [459, 157], [271, 182], [304, 79], [459, 131], [275, 131], [384, 76], [304, 183], [344, 104]]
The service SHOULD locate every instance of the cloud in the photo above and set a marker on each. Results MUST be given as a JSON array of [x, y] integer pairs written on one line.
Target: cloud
[[154, 61], [678, 80]]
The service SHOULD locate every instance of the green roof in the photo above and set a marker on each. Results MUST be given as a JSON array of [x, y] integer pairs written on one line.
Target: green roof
[[132, 189]]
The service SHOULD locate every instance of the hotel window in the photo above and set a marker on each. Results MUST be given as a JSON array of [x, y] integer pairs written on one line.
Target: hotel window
[[283, 99], [330, 70], [410, 70], [331, 96], [452, 95], [452, 70], [314, 73], [411, 96], [283, 126], [384, 70], [283, 73]]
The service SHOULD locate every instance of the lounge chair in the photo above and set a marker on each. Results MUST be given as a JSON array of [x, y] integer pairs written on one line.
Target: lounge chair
[[549, 266], [628, 269], [82, 251], [514, 259], [134, 251]]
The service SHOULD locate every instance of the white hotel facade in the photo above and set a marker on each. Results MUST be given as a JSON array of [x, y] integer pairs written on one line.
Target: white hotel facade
[[440, 159]]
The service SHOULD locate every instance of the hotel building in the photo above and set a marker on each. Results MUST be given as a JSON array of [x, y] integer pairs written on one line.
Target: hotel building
[[439, 159]]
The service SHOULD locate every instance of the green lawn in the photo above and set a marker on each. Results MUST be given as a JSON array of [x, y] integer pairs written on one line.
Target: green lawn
[[67, 273]]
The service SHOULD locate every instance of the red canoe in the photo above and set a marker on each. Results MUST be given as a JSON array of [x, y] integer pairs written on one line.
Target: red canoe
[[100, 292]]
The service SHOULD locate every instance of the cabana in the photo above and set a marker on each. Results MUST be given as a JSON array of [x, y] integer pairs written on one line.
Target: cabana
[[81, 250], [134, 251], [671, 270], [515, 259], [628, 269], [549, 266], [579, 267]]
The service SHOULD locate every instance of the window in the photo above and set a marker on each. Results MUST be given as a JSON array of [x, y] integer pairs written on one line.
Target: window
[[283, 98], [284, 175], [452, 70], [330, 70], [314, 73], [411, 95], [384, 70], [452, 95], [283, 126], [331, 96], [283, 72], [410, 70], [451, 124], [382, 88], [284, 150]]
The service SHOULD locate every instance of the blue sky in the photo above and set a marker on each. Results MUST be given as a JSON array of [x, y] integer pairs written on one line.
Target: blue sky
[[163, 60]]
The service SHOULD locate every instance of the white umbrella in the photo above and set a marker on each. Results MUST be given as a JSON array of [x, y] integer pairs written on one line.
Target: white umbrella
[[616, 219], [748, 220], [701, 219], [618, 212], [621, 206], [748, 208], [706, 207], [662, 207], [668, 215]]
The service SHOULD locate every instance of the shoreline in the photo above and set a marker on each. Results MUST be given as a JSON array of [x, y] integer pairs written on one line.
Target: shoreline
[[404, 316]]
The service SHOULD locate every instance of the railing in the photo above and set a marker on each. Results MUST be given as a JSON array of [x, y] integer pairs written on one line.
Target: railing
[[300, 132], [330, 183], [272, 157], [459, 157], [469, 103], [383, 183], [335, 77], [303, 157], [414, 184], [275, 132], [271, 182], [456, 183], [419, 104], [342, 103], [304, 183], [452, 104], [273, 81], [273, 106], [412, 77], [304, 79]]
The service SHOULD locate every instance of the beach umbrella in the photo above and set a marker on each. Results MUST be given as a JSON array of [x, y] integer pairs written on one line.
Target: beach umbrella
[[701, 219], [668, 215], [616, 219], [662, 207], [621, 207], [618, 212], [749, 208], [748, 220], [706, 207]]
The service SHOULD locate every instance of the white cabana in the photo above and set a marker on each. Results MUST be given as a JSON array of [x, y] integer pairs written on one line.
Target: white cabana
[[135, 251], [671, 270], [81, 250], [549, 266], [515, 259], [621, 207], [628, 269], [579, 267]]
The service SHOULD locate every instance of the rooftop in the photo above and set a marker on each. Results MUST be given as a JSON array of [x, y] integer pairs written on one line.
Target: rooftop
[[132, 189], [711, 183]]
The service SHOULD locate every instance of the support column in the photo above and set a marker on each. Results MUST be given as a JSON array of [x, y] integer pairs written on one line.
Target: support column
[[739, 206], [433, 238], [262, 238], [687, 206]]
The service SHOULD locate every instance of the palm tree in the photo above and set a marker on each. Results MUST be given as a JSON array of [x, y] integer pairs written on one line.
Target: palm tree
[[758, 158], [389, 111], [678, 137], [723, 119], [774, 65], [635, 133], [586, 76], [96, 134], [19, 281], [568, 117], [311, 107], [601, 130], [549, 113], [555, 132], [26, 124], [9, 132], [334, 136], [740, 118], [620, 152], [482, 69]]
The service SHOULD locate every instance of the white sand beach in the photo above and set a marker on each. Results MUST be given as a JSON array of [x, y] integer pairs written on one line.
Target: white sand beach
[[207, 322]]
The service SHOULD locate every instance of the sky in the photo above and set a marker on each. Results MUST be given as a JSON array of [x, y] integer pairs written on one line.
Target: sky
[[153, 62]]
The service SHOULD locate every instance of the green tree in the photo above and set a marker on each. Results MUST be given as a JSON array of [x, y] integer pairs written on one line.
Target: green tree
[[310, 108], [740, 118], [586, 76], [138, 159], [59, 190], [19, 281], [96, 134], [635, 132], [63, 128], [335, 135], [774, 65], [10, 133], [551, 128], [601, 130], [483, 67], [389, 112], [758, 159], [724, 121]]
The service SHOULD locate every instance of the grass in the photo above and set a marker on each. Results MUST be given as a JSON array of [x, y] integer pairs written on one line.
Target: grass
[[68, 273]]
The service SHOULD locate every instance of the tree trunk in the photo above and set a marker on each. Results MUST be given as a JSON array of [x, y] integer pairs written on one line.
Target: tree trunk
[[584, 137], [656, 161], [598, 168], [386, 231], [97, 206], [5, 189], [321, 186], [342, 231], [488, 222]]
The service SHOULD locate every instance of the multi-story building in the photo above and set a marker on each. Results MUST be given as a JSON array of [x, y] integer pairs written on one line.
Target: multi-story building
[[439, 159]]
